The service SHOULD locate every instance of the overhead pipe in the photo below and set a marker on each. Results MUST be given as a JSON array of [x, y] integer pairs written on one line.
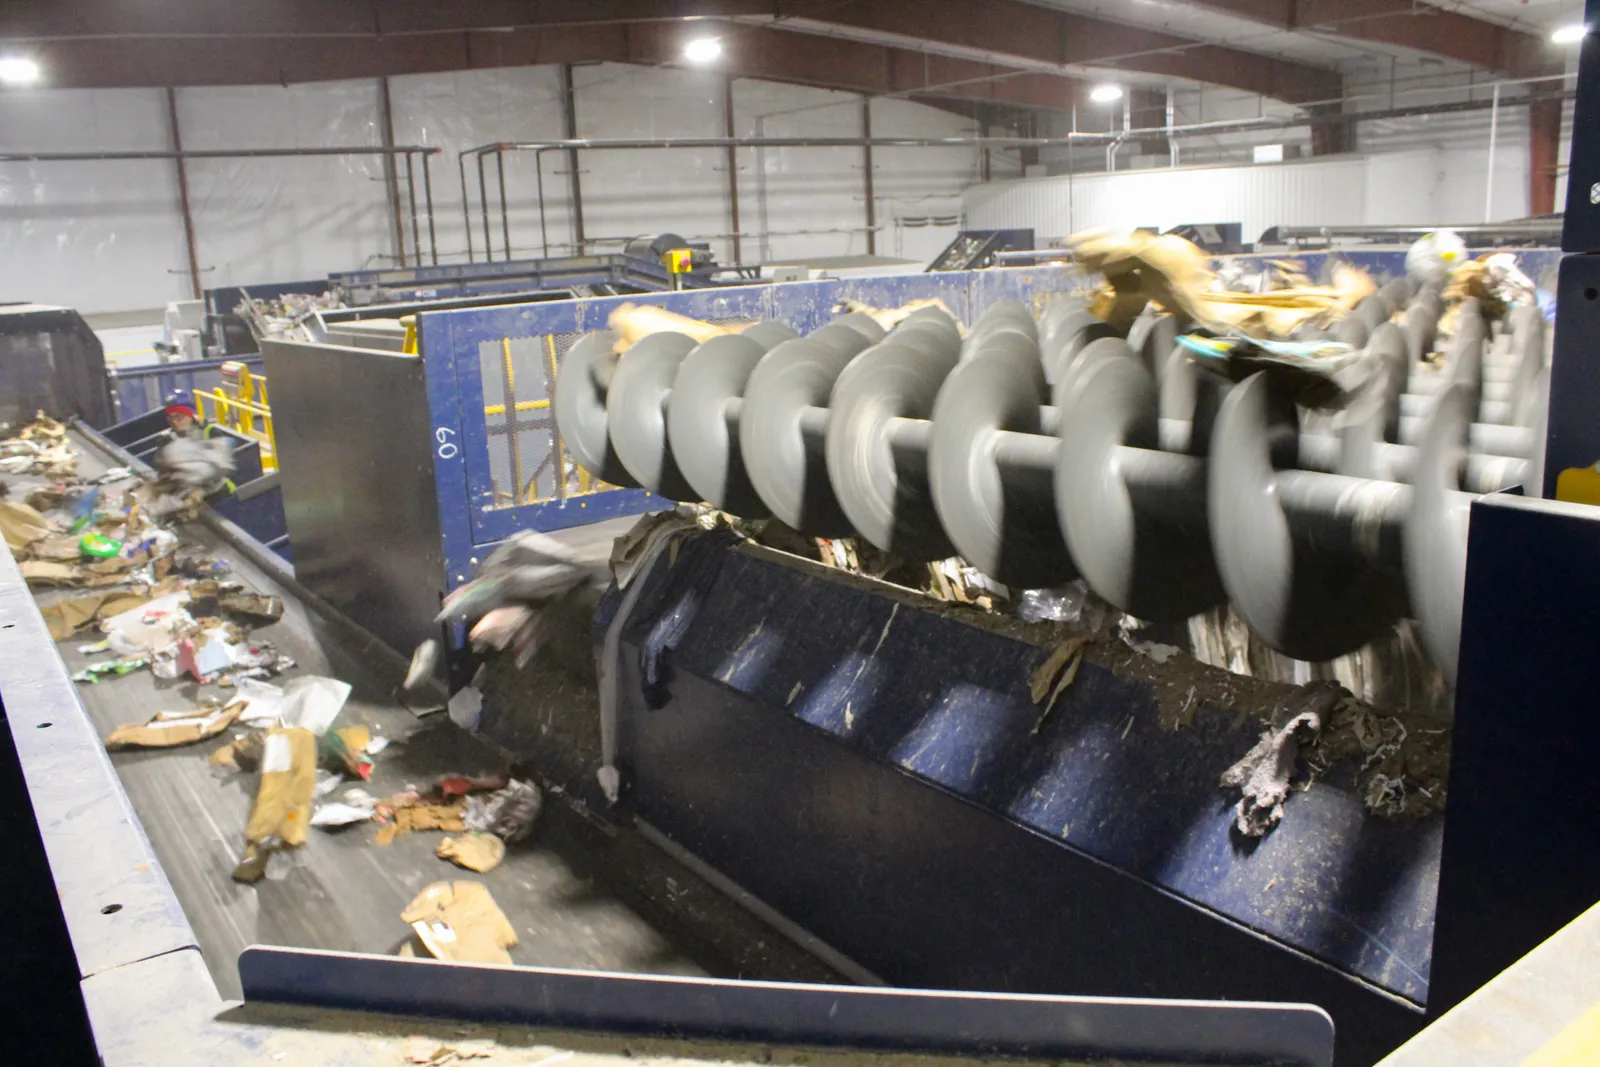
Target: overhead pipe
[[182, 154]]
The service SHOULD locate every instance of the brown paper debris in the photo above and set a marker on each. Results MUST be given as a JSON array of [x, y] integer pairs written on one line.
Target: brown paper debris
[[430, 817], [475, 852], [460, 921], [634, 322], [281, 816], [168, 729], [1056, 674], [240, 754]]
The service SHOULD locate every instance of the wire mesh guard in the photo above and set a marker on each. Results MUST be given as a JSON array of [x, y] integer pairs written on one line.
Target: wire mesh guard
[[527, 461]]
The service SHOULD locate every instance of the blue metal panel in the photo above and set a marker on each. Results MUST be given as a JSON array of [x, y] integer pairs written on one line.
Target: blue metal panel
[[142, 389], [440, 359], [951, 705], [1521, 850], [869, 769]]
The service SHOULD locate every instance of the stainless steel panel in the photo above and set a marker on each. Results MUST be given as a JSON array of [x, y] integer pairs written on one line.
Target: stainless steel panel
[[355, 455]]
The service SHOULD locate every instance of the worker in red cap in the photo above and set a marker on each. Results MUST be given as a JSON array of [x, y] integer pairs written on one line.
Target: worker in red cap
[[182, 419]]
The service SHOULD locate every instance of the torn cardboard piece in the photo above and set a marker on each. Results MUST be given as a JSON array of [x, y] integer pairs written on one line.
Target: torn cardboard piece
[[460, 921], [66, 617], [255, 608], [22, 525], [281, 816], [169, 729], [475, 852]]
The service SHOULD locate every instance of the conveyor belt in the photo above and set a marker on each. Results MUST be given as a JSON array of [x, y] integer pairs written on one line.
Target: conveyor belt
[[579, 895]]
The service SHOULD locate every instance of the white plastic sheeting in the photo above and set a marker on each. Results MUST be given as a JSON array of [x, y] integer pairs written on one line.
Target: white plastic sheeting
[[786, 192], [103, 235], [1258, 197], [471, 108], [1429, 186], [628, 193], [108, 236], [285, 219], [918, 189]]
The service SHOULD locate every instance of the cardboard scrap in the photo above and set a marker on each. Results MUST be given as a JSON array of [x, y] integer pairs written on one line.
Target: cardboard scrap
[[168, 729], [281, 817], [430, 817], [66, 617], [460, 921], [475, 852], [253, 606], [22, 525], [49, 572]]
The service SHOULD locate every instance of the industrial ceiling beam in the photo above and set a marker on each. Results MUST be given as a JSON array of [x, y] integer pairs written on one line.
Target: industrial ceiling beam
[[1004, 29], [751, 52], [1407, 24]]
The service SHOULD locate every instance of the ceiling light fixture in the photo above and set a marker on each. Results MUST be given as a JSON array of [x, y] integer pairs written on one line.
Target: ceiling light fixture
[[1106, 94], [1569, 34], [702, 50], [18, 70]]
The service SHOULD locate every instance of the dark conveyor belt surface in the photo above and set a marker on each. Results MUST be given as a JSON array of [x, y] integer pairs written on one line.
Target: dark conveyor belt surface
[[579, 895]]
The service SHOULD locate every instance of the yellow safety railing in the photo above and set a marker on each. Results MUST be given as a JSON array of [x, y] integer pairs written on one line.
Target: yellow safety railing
[[245, 413], [528, 488]]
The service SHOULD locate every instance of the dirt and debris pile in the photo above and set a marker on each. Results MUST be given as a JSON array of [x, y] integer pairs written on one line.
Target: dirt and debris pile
[[1319, 731]]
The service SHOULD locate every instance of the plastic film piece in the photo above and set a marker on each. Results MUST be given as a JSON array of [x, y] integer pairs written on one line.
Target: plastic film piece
[[703, 414], [877, 445], [635, 412], [785, 407], [580, 407], [1308, 604], [1436, 531], [1153, 563], [999, 516]]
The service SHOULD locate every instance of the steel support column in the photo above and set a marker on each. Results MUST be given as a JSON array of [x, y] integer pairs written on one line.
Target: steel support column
[[569, 98], [733, 169], [866, 176], [391, 178], [183, 192], [1544, 153]]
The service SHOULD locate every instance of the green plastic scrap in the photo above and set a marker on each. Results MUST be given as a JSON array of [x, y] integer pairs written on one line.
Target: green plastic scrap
[[93, 672], [99, 546]]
